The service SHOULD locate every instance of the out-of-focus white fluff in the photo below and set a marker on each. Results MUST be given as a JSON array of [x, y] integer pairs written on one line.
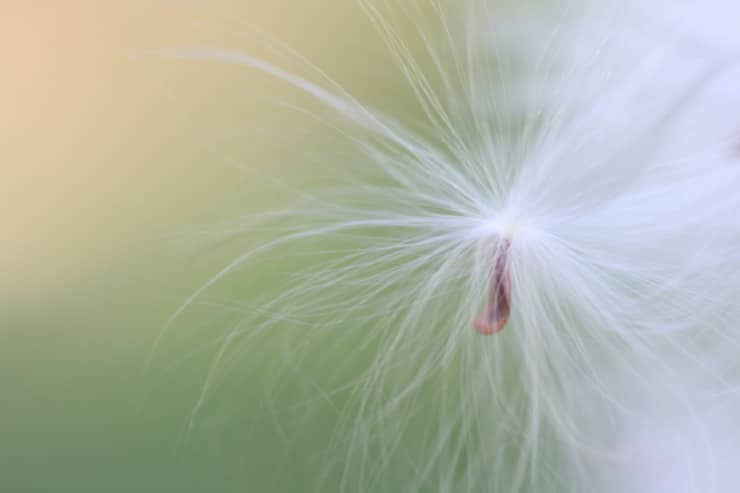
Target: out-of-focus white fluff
[[710, 26], [660, 443], [601, 144]]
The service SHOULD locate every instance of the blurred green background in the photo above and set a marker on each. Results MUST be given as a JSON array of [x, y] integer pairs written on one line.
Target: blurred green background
[[113, 159]]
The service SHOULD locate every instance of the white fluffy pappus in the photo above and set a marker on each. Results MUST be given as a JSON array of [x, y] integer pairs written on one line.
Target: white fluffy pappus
[[596, 217]]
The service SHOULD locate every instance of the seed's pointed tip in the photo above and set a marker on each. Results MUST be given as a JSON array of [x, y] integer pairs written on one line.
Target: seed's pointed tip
[[487, 329]]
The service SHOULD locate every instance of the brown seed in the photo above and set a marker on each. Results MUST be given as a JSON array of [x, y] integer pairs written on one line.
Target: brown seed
[[496, 315]]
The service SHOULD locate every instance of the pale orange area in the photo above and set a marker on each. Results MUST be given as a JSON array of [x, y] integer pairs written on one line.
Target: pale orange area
[[97, 134]]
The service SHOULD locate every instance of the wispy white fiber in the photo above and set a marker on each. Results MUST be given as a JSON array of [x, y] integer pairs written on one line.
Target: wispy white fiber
[[599, 142]]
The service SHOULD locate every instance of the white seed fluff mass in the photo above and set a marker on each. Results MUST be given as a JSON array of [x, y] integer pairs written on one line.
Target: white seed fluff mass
[[511, 289]]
